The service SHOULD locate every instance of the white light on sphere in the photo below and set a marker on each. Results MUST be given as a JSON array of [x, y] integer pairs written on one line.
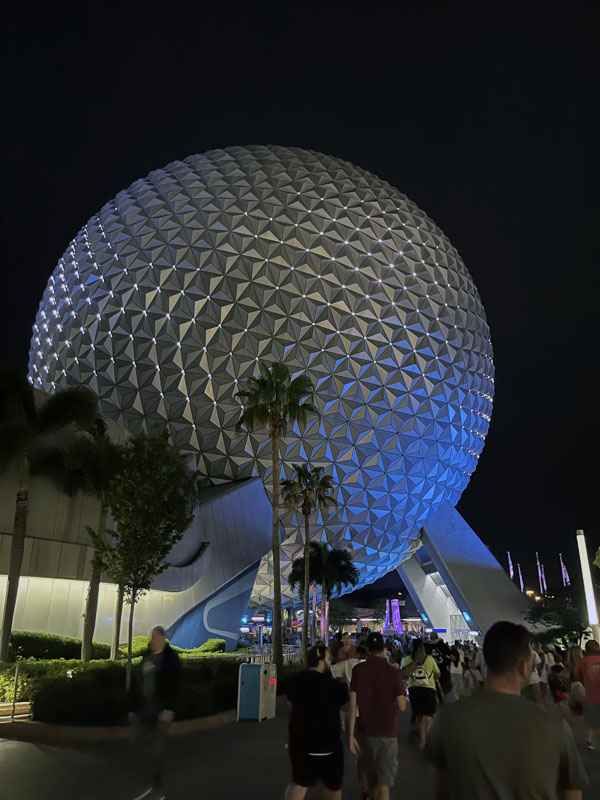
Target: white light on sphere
[[226, 227]]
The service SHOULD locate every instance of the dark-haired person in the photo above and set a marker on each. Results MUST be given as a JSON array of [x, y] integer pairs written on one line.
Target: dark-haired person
[[422, 672], [153, 694], [315, 746], [440, 651], [376, 694], [496, 744], [588, 671]]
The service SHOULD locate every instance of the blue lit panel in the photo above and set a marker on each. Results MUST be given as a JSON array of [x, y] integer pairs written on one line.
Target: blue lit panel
[[166, 300]]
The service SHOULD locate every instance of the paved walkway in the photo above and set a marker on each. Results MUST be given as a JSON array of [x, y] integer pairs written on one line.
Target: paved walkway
[[245, 760]]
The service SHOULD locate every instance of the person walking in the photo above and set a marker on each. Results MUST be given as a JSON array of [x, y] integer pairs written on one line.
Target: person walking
[[440, 652], [576, 690], [347, 650], [315, 746], [532, 690], [376, 695], [497, 745], [422, 673], [153, 694], [342, 670], [587, 670], [456, 674]]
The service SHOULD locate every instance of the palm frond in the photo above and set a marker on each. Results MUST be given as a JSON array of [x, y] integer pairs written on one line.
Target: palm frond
[[51, 462], [15, 437], [75, 406], [17, 400]]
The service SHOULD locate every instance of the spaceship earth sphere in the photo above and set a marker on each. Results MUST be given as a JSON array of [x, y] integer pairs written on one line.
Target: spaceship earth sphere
[[167, 300]]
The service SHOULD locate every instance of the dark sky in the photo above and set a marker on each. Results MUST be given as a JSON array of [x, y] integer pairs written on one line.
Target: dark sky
[[475, 114]]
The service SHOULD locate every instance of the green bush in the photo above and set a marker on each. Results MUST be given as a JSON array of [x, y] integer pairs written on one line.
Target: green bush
[[33, 672], [33, 644], [211, 646], [96, 695], [139, 645], [286, 676], [90, 697]]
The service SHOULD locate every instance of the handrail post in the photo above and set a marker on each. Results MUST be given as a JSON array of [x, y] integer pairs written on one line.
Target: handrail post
[[15, 690]]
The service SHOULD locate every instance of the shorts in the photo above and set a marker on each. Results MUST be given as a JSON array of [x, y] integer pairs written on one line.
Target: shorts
[[307, 769], [591, 715], [423, 701], [379, 758]]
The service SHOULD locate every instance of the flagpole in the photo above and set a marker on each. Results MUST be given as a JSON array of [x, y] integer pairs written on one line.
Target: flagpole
[[588, 586]]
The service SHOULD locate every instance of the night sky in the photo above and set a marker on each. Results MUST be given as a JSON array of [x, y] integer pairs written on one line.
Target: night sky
[[476, 116]]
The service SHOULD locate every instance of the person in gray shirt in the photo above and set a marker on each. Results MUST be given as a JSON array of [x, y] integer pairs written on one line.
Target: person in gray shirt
[[496, 745]]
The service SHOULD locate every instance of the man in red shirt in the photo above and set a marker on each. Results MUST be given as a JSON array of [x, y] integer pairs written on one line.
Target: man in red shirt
[[377, 691], [588, 672]]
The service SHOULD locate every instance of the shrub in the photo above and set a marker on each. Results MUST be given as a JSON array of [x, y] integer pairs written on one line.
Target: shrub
[[139, 645], [33, 672], [33, 644], [90, 697], [286, 676], [211, 646], [95, 695]]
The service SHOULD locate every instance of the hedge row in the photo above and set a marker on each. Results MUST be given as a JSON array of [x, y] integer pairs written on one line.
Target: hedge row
[[94, 694], [33, 672], [32, 644], [98, 696]]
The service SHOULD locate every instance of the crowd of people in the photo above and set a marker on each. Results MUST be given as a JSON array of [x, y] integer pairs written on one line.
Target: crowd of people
[[496, 721]]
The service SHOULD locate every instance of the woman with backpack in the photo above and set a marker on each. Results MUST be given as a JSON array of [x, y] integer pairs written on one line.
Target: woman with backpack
[[422, 673]]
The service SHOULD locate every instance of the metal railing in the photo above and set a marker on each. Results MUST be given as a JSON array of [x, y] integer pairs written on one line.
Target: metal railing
[[292, 654]]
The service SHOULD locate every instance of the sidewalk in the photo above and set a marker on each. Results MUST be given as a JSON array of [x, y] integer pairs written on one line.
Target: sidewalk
[[246, 759]]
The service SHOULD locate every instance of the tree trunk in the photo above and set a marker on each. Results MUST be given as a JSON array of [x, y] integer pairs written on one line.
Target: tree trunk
[[130, 644], [17, 547], [313, 625], [114, 652], [91, 607], [277, 648], [324, 632], [306, 587]]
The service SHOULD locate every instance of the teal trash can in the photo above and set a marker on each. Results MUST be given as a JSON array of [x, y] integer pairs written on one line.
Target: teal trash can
[[257, 691]]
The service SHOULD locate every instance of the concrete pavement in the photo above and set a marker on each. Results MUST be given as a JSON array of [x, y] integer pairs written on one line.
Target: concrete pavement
[[245, 760]]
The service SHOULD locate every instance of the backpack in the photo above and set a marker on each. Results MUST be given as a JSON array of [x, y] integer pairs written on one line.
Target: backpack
[[420, 678]]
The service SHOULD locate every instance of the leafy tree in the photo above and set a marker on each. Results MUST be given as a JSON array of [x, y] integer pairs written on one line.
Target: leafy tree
[[310, 490], [557, 619], [151, 500], [87, 465], [26, 428], [274, 401], [340, 612], [330, 568]]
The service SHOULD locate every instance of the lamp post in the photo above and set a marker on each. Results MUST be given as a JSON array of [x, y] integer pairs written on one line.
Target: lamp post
[[588, 586]]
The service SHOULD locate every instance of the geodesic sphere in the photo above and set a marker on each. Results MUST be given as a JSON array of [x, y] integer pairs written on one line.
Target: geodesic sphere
[[168, 298]]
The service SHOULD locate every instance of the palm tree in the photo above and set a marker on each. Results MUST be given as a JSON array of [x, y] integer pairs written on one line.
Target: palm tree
[[24, 430], [274, 401], [330, 568], [87, 465], [310, 490]]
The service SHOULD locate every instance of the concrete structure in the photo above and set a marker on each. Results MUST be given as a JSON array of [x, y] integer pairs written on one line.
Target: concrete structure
[[202, 594], [163, 305], [456, 583], [167, 298]]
